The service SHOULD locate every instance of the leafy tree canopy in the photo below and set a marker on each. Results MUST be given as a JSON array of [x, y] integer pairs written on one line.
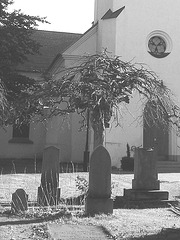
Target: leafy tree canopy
[[16, 43]]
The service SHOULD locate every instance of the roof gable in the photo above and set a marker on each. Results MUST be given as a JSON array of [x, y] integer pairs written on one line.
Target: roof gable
[[84, 38]]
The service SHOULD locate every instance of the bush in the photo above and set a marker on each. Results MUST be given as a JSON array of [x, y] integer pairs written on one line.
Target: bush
[[127, 163]]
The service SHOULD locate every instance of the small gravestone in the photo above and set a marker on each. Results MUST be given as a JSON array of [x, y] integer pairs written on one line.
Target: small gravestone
[[49, 191], [99, 193], [19, 201]]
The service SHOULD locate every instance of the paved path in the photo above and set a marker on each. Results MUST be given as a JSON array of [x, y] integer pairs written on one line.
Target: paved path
[[76, 232]]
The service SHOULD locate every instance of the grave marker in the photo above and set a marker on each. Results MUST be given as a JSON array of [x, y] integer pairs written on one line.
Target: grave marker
[[145, 185], [19, 201], [99, 193], [49, 191]]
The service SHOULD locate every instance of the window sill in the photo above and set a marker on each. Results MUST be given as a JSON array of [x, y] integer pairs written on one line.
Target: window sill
[[20, 140]]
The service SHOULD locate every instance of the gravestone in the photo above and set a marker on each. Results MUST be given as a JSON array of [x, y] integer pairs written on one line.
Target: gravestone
[[49, 191], [19, 201], [145, 170], [145, 185], [99, 193]]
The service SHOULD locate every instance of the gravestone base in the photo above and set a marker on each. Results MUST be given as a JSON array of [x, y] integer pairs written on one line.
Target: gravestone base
[[153, 184], [121, 202], [98, 206], [46, 198], [138, 194]]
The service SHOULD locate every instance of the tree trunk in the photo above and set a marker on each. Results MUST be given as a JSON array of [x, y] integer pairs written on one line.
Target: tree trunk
[[98, 134]]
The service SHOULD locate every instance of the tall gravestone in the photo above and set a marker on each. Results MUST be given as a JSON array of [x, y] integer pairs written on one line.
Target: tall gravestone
[[145, 170], [19, 201], [49, 191], [145, 185], [99, 192]]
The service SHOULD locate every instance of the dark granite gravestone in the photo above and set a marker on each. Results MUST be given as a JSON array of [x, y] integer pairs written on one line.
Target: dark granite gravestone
[[99, 194], [19, 201], [49, 191]]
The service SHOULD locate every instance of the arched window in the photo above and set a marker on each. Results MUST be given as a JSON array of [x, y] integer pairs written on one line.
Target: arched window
[[155, 133]]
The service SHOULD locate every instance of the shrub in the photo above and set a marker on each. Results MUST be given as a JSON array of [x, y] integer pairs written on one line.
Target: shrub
[[127, 162]]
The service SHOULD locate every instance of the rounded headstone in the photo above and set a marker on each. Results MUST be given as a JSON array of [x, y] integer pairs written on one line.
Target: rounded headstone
[[100, 173]]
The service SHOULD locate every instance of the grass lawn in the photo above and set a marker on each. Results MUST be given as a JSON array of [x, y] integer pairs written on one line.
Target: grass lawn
[[30, 182], [147, 224]]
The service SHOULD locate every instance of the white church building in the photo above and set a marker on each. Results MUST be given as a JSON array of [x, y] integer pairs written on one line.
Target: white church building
[[136, 30]]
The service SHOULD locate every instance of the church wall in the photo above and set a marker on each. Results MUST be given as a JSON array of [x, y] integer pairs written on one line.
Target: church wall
[[78, 138], [101, 7], [137, 21], [36, 135], [128, 131], [125, 36], [58, 134], [141, 19], [133, 26], [22, 150], [108, 35], [73, 148]]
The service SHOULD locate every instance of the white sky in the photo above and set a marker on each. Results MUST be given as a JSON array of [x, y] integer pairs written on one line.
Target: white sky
[[64, 15]]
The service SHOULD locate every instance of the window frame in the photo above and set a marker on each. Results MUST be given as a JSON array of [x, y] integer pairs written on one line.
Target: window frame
[[20, 134]]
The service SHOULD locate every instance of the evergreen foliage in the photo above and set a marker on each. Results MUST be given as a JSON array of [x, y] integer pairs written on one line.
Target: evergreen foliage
[[16, 44]]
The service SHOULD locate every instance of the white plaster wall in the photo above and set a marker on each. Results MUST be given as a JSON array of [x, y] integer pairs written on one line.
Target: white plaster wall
[[138, 20], [128, 131], [126, 36], [133, 25], [73, 140], [58, 134], [37, 135], [17, 150], [101, 7], [78, 139], [108, 36]]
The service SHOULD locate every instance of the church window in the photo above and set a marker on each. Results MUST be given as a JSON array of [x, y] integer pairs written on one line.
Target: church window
[[20, 134], [159, 44], [21, 131]]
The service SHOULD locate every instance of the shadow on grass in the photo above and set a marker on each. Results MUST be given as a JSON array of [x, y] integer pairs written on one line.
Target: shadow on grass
[[12, 220], [165, 234]]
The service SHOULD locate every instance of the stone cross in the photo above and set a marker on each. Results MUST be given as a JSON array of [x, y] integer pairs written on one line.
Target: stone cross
[[49, 191], [19, 201], [99, 192]]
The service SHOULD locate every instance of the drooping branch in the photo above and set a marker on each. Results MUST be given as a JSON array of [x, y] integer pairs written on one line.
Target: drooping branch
[[100, 83]]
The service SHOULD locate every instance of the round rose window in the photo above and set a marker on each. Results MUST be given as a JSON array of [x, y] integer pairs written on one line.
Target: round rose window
[[159, 44]]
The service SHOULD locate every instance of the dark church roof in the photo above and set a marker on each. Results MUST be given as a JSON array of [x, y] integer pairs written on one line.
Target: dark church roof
[[52, 43]]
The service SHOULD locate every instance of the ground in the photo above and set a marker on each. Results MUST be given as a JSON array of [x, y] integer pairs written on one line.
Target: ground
[[147, 224], [127, 224]]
